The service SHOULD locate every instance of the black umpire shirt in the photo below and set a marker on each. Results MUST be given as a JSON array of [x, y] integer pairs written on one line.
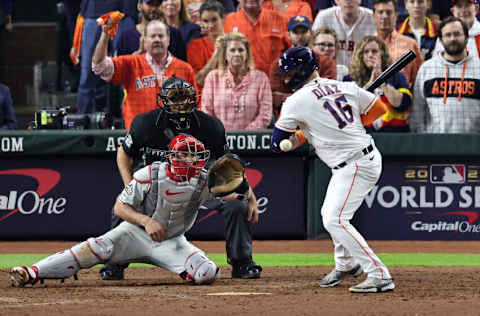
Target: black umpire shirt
[[150, 134]]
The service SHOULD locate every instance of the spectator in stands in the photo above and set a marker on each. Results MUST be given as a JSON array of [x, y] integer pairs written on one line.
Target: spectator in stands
[[300, 34], [351, 23], [401, 11], [419, 27], [325, 43], [201, 52], [6, 8], [92, 90], [370, 59], [466, 10], [141, 75], [193, 9], [175, 12], [130, 41], [289, 8], [440, 10], [7, 116], [72, 9], [447, 92], [235, 92], [386, 19], [265, 29], [324, 4]]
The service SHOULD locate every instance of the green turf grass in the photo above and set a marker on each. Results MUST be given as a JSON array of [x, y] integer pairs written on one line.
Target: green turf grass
[[300, 259]]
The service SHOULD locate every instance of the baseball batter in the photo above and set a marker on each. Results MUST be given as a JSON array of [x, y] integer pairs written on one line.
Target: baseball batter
[[330, 115], [158, 206], [351, 23]]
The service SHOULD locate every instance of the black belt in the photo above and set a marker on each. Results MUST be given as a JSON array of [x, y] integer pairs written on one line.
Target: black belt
[[365, 151]]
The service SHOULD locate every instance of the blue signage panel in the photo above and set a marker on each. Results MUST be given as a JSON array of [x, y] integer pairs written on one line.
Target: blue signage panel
[[420, 200], [279, 185], [56, 198], [72, 198]]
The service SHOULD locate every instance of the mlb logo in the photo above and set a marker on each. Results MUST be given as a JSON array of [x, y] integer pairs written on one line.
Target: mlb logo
[[454, 174]]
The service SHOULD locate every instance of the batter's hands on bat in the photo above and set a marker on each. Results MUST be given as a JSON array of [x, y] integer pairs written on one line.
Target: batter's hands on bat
[[156, 231]]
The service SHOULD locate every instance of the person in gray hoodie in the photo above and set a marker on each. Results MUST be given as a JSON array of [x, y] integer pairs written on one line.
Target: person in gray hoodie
[[447, 88]]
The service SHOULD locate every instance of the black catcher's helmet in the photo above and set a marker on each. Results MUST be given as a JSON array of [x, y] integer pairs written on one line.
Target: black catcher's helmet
[[300, 59], [179, 101]]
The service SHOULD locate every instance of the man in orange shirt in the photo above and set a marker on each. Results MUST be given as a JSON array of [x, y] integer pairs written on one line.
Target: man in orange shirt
[[289, 8], [385, 16], [141, 75], [265, 29]]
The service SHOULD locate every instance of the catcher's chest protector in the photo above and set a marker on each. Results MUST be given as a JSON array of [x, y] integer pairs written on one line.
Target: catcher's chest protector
[[175, 204]]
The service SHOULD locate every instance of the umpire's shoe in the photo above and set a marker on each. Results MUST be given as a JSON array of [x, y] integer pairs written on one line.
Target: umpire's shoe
[[335, 277], [249, 270], [373, 285], [113, 272]]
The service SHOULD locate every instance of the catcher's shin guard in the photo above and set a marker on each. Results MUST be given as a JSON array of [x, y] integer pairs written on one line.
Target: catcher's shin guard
[[66, 263], [200, 269]]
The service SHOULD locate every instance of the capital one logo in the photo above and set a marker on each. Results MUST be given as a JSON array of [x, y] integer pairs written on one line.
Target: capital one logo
[[16, 201]]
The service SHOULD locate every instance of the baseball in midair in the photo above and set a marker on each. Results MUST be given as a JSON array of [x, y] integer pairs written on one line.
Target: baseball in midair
[[286, 145]]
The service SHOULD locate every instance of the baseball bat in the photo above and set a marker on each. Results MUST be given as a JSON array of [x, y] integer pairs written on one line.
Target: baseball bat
[[398, 65]]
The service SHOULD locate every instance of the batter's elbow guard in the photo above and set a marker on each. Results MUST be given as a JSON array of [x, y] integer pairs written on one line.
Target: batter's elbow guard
[[277, 136]]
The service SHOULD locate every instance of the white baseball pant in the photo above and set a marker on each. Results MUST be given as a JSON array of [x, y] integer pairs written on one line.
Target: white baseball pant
[[133, 244], [346, 191]]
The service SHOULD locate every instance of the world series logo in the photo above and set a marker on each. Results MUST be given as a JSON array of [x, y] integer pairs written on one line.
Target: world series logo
[[453, 187], [430, 198], [443, 173]]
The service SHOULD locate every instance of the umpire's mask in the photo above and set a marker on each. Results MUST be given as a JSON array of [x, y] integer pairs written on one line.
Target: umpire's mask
[[179, 101]]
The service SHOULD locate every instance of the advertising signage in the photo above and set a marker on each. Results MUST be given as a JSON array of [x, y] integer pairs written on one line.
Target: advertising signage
[[423, 201]]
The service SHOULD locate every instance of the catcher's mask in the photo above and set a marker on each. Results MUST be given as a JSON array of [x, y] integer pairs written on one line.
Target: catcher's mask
[[187, 156], [297, 64], [179, 101]]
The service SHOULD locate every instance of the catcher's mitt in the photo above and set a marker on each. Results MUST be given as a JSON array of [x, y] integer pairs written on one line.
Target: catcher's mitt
[[227, 176]]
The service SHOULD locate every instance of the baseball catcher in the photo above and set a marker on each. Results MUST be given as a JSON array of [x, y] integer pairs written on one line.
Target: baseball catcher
[[146, 141], [158, 206]]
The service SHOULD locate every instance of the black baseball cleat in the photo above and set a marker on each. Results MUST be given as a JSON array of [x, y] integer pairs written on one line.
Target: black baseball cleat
[[250, 270], [112, 272]]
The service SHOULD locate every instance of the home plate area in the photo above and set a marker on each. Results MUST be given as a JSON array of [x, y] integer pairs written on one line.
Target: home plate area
[[280, 291]]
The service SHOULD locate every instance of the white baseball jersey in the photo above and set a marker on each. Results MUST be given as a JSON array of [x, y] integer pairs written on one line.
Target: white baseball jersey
[[173, 204], [348, 37], [328, 113]]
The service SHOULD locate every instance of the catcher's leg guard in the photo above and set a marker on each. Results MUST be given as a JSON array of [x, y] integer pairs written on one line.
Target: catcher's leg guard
[[200, 269], [85, 255]]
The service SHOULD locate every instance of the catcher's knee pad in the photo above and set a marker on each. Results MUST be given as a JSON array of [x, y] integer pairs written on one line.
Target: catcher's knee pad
[[66, 263], [200, 269], [93, 251]]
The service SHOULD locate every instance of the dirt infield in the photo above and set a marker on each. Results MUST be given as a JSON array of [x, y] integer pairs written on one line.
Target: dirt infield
[[280, 291]]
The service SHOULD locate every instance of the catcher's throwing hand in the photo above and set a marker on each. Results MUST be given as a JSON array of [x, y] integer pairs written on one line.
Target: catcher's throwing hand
[[156, 231]]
